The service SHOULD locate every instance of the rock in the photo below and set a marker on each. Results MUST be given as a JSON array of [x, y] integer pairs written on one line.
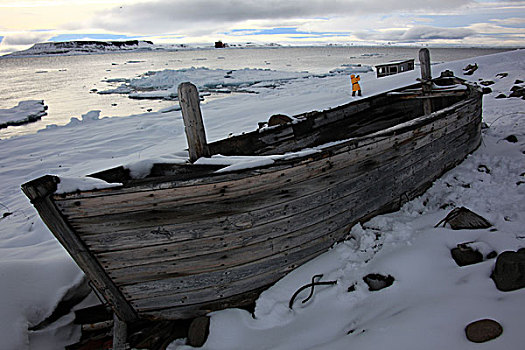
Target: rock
[[502, 75], [483, 169], [483, 330], [486, 90], [464, 255], [470, 69], [377, 281], [199, 331], [279, 119], [501, 96], [511, 138], [444, 74], [517, 91], [509, 271], [487, 82], [469, 253], [463, 218], [518, 81]]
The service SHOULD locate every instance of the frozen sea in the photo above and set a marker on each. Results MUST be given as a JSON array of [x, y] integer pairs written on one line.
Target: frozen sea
[[69, 84]]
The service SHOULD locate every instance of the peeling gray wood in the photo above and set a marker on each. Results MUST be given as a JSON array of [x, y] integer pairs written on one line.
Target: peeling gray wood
[[39, 192], [193, 124], [426, 78]]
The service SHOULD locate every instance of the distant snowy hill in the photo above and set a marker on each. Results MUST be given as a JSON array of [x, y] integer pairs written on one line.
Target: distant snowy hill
[[83, 47]]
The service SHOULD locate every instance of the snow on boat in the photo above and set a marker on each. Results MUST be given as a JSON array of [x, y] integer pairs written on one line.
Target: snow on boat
[[189, 239]]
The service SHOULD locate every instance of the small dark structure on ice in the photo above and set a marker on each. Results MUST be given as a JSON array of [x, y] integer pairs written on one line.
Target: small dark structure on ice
[[186, 240], [394, 67]]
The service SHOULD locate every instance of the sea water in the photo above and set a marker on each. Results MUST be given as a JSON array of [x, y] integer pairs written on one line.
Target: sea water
[[69, 84]]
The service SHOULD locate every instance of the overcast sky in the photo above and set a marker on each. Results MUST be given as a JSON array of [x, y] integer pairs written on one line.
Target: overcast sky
[[433, 22]]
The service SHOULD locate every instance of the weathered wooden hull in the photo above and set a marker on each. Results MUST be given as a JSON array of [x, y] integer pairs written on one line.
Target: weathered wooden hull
[[178, 247]]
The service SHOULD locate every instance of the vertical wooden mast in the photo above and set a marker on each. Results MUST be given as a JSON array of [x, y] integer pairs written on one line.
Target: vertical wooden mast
[[426, 79], [193, 124]]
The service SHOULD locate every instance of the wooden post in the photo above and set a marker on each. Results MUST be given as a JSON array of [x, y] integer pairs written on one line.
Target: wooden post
[[426, 79], [193, 124], [39, 191], [120, 333]]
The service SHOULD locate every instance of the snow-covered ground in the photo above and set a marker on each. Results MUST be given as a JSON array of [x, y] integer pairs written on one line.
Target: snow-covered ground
[[429, 304]]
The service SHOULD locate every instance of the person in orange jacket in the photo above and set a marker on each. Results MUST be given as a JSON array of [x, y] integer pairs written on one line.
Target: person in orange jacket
[[355, 85]]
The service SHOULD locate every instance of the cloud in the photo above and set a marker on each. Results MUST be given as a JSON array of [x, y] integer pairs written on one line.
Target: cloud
[[188, 15], [26, 38], [418, 33], [430, 33], [285, 31]]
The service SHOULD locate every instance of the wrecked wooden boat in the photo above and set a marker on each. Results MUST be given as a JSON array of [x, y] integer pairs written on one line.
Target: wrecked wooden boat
[[187, 239]]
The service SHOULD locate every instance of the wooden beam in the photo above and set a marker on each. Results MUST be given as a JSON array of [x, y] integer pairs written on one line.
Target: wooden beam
[[39, 192], [120, 333], [426, 79], [193, 124]]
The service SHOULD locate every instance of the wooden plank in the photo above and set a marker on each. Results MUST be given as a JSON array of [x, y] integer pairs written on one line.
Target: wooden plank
[[282, 263], [191, 311], [120, 334], [39, 192], [426, 78], [193, 124]]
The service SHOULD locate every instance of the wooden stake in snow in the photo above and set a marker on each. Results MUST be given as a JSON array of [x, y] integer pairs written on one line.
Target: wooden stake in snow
[[463, 218], [120, 333], [426, 79], [193, 124]]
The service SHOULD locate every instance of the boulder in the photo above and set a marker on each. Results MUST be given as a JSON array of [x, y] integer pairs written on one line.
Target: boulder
[[511, 138], [517, 91], [469, 253], [470, 69], [483, 330], [509, 271], [486, 90], [465, 255], [199, 331], [279, 119], [377, 281]]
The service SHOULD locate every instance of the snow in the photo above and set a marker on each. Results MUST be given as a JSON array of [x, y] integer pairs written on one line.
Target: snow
[[23, 113], [73, 184], [163, 84], [431, 300]]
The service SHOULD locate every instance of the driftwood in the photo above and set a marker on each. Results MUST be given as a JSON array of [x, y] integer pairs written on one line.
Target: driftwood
[[463, 218]]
